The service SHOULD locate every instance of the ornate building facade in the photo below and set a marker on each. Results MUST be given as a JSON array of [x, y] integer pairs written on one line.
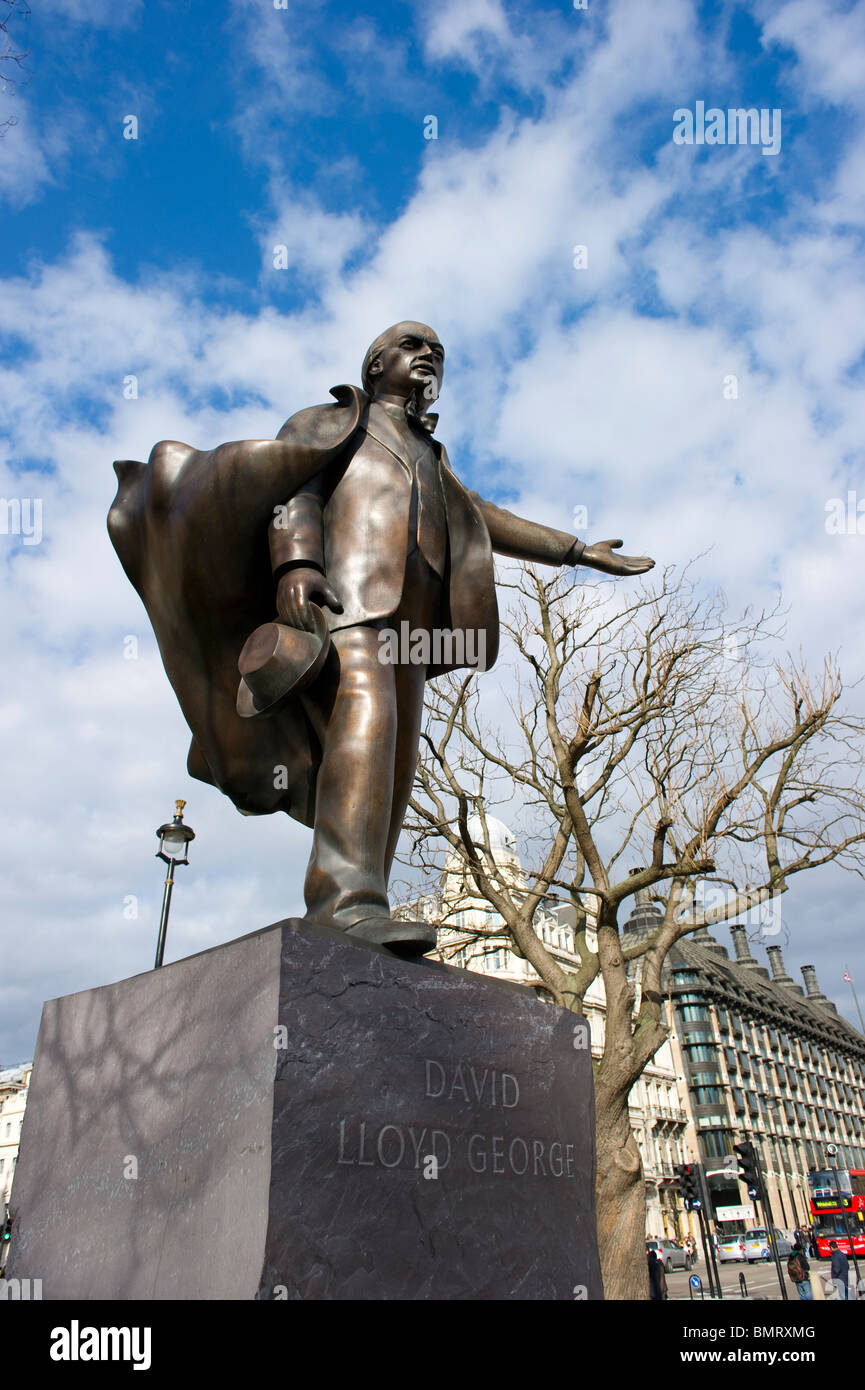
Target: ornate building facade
[[14, 1084], [764, 1059]]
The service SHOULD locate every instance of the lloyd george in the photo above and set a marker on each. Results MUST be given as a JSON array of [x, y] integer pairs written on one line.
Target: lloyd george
[[353, 512]]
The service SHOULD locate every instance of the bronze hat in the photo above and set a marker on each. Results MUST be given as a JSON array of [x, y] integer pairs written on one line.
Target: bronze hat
[[278, 661]]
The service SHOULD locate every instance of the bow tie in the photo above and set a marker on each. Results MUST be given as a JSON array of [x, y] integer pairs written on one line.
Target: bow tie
[[426, 422]]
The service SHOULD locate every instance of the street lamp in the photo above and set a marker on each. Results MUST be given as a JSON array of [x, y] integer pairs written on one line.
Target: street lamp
[[174, 838]]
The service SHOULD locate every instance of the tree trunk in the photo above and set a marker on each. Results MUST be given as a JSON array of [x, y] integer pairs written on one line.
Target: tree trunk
[[620, 1205]]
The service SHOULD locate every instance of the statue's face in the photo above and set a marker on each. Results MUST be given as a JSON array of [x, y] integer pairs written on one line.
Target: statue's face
[[410, 362]]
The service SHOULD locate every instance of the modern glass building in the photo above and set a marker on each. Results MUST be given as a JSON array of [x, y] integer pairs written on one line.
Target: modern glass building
[[764, 1059]]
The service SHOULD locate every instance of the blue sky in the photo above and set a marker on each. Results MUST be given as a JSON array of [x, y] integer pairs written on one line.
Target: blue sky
[[304, 127]]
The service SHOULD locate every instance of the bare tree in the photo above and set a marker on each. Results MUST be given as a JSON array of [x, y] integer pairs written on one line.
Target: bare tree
[[655, 746], [12, 56]]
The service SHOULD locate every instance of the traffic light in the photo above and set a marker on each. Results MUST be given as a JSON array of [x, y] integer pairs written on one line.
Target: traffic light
[[749, 1168], [688, 1180], [6, 1223]]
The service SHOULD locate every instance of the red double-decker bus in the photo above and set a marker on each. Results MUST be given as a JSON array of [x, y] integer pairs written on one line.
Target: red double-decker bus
[[829, 1190]]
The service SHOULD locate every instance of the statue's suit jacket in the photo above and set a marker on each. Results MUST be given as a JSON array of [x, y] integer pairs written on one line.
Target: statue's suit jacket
[[191, 529], [351, 521]]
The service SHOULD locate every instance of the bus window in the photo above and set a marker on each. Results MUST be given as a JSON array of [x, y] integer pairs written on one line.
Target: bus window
[[826, 1182]]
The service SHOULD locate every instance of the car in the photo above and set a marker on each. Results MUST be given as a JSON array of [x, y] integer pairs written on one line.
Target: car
[[758, 1247], [671, 1255], [732, 1247]]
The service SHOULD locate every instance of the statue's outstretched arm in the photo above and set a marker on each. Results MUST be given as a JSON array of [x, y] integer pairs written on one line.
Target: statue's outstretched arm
[[528, 540]]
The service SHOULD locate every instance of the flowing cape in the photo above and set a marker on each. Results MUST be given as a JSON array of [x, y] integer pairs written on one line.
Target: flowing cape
[[190, 529]]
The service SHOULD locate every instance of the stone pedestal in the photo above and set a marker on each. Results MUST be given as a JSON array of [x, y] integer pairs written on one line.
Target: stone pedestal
[[294, 1115]]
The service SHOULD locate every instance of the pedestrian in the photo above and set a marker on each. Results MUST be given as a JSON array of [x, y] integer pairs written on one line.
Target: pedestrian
[[799, 1270], [839, 1270], [813, 1248], [799, 1241], [657, 1279]]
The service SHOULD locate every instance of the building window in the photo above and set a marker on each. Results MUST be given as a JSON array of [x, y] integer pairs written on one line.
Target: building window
[[715, 1143], [708, 1095], [694, 1013]]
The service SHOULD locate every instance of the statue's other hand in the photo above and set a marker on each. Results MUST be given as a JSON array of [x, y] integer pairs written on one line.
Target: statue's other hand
[[600, 556], [296, 589]]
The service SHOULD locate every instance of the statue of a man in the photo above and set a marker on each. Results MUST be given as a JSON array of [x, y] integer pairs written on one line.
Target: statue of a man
[[367, 522]]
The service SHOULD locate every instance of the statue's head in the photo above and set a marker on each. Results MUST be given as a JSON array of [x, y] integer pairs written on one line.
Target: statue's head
[[406, 360]]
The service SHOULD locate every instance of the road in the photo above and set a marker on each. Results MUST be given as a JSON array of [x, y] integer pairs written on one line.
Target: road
[[761, 1279]]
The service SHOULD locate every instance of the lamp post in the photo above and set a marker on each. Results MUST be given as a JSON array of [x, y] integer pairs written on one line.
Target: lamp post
[[174, 838]]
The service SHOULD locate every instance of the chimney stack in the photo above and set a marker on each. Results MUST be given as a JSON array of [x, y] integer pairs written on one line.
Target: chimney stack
[[741, 949], [646, 916], [812, 989], [778, 968], [641, 897], [703, 937]]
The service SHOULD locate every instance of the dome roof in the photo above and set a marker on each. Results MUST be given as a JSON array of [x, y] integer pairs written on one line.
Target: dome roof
[[502, 839]]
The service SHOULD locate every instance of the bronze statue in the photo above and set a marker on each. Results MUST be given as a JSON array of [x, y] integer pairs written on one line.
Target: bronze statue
[[371, 537]]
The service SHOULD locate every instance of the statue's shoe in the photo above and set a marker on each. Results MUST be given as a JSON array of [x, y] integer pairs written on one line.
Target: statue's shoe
[[403, 938]]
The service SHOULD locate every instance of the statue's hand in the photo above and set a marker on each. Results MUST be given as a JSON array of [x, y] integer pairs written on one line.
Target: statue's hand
[[294, 592], [599, 556]]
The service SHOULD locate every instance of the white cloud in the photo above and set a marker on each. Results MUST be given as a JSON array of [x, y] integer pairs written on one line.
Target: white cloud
[[24, 168], [829, 42], [110, 14], [459, 25], [316, 244], [276, 72]]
